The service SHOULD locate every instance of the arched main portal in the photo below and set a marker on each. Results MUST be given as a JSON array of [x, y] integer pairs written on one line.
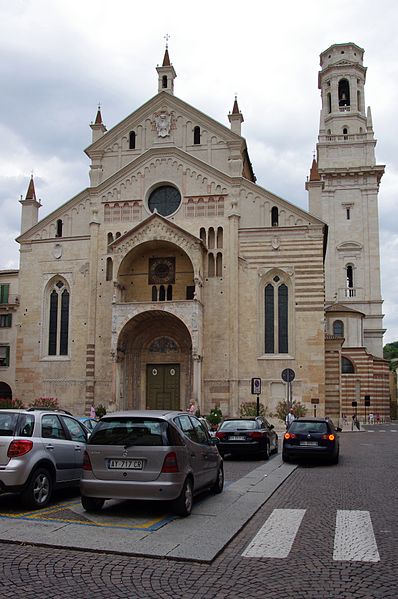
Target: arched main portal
[[154, 368], [5, 391]]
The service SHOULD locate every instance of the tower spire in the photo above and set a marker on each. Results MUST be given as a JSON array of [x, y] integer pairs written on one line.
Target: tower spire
[[98, 128], [30, 207], [166, 73], [235, 117]]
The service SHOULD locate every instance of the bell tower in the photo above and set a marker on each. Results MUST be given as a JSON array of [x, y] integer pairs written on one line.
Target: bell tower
[[344, 192]]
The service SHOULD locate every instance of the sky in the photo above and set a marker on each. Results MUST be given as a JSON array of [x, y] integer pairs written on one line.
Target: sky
[[60, 58]]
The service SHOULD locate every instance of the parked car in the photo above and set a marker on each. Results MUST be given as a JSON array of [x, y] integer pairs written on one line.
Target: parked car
[[207, 425], [246, 436], [40, 450], [88, 422], [150, 455], [311, 437]]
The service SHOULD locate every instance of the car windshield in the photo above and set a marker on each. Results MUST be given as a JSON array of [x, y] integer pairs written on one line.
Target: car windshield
[[130, 431], [240, 425], [308, 427]]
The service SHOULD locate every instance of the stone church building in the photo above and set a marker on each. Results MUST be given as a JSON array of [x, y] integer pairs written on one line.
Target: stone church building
[[174, 275]]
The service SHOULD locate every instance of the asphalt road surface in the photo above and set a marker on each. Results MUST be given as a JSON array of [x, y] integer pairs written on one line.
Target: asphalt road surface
[[329, 532]]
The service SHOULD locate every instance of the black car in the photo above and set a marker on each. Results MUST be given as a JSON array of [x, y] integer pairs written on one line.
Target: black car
[[311, 437], [243, 436]]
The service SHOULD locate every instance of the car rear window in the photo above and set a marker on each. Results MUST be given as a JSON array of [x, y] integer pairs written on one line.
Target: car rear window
[[8, 423], [308, 427], [133, 431], [242, 425]]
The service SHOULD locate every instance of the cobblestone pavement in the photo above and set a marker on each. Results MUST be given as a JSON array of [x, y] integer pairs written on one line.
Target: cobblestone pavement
[[365, 481]]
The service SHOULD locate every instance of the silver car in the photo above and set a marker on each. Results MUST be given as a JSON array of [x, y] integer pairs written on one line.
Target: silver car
[[150, 455], [40, 450]]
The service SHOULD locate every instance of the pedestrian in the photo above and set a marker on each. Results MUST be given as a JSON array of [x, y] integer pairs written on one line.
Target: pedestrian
[[192, 407], [289, 418], [371, 418]]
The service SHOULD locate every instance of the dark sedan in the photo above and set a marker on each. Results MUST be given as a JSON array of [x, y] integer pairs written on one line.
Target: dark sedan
[[244, 436], [311, 438]]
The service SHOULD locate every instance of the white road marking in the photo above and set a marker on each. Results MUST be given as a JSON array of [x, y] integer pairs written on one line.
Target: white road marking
[[354, 538], [275, 538]]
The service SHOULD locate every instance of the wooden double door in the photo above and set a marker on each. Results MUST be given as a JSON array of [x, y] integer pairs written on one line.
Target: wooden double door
[[163, 386]]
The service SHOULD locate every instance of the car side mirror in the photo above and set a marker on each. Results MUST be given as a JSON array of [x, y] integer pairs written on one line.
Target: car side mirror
[[214, 441], [271, 426]]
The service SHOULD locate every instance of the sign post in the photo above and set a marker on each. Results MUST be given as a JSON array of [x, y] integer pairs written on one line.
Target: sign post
[[367, 404], [288, 376], [256, 390]]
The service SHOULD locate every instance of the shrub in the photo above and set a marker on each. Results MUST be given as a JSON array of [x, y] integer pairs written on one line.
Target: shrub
[[8, 402], [282, 409], [248, 409], [215, 416], [45, 402], [100, 411]]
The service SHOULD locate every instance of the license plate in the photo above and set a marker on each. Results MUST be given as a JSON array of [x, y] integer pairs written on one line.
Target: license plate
[[309, 443], [236, 438], [125, 464]]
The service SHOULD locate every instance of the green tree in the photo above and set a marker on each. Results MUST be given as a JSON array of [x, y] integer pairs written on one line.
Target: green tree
[[215, 416], [390, 352], [248, 409]]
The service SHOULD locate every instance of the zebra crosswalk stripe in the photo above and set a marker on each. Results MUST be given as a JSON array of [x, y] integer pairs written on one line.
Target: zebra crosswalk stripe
[[275, 538], [354, 539]]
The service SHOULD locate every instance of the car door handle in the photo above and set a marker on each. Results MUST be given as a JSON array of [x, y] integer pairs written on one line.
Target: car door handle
[[49, 446], [78, 448], [193, 455]]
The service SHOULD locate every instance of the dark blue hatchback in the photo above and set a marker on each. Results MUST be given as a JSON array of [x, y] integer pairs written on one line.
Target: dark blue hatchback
[[311, 438]]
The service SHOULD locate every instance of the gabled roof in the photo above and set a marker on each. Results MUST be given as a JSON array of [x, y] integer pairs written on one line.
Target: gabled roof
[[148, 221], [342, 308], [155, 103]]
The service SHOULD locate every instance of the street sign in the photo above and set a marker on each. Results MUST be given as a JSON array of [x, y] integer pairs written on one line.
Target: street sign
[[315, 400], [288, 375], [256, 386], [367, 400], [354, 404]]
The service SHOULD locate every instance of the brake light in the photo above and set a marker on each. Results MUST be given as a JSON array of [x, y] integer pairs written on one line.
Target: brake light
[[256, 434], [87, 462], [331, 437], [170, 463], [290, 436], [19, 447], [220, 435]]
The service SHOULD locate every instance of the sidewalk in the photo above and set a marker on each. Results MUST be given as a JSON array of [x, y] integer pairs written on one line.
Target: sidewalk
[[214, 521]]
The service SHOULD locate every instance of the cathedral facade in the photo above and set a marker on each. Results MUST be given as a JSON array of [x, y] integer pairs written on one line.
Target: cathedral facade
[[174, 276]]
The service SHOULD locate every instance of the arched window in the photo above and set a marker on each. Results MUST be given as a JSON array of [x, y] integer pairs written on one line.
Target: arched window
[[219, 265], [345, 132], [344, 93], [196, 135], [359, 107], [58, 319], [169, 294], [164, 81], [347, 367], [274, 216], [107, 213], [59, 228], [329, 102], [350, 276], [109, 269], [132, 140], [211, 265], [276, 317], [220, 235], [118, 234], [211, 238], [338, 328], [162, 293], [110, 238], [154, 293], [202, 234]]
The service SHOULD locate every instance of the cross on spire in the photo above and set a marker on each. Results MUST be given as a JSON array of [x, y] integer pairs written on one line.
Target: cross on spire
[[167, 37]]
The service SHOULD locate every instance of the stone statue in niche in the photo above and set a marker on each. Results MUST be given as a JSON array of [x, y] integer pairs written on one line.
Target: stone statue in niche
[[163, 124]]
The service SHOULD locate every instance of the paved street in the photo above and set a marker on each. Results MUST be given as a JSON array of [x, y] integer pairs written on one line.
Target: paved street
[[329, 532]]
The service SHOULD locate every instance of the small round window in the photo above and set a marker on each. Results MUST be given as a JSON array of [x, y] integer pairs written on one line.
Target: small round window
[[165, 199]]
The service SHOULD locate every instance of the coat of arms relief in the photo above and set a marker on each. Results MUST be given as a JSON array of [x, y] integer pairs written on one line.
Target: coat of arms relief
[[163, 123]]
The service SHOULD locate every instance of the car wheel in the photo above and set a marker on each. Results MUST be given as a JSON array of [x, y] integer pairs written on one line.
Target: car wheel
[[219, 483], [39, 490], [92, 504], [182, 506], [276, 447], [267, 451], [335, 459], [285, 458]]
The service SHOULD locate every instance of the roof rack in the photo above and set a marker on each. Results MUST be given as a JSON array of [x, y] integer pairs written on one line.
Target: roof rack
[[43, 408]]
